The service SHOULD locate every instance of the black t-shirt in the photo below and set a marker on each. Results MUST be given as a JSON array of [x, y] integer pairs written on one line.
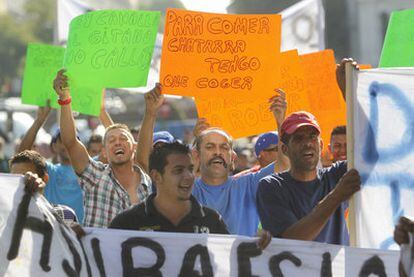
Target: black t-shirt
[[145, 217], [282, 201]]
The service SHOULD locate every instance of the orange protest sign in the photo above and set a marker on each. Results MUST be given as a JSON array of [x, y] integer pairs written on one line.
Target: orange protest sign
[[210, 54], [365, 66], [239, 116], [293, 82], [326, 101], [244, 115]]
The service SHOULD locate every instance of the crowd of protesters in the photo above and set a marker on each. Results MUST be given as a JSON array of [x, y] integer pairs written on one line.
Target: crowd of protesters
[[272, 185]]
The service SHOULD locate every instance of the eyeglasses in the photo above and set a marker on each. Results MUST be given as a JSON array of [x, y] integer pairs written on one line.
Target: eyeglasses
[[270, 149]]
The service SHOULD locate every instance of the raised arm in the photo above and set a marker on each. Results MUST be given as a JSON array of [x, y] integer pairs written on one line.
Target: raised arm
[[30, 136], [278, 106], [309, 227], [200, 126], [104, 116], [153, 101], [77, 152]]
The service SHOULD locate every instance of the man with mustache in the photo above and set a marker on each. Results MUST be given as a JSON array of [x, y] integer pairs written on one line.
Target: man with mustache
[[306, 202], [233, 198]]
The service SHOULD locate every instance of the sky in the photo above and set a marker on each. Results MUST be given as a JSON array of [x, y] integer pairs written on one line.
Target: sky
[[217, 6]]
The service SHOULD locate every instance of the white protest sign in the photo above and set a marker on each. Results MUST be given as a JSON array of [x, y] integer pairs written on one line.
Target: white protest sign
[[47, 247], [303, 27], [384, 153], [32, 241], [66, 11], [172, 254]]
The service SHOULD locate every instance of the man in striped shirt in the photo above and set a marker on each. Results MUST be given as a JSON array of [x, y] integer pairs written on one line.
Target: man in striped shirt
[[109, 188]]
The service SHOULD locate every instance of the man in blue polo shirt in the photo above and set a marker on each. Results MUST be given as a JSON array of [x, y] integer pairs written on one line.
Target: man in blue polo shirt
[[306, 202], [234, 198]]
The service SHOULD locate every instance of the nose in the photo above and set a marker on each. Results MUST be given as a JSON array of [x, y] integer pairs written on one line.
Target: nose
[[188, 175], [308, 141], [117, 141], [217, 152]]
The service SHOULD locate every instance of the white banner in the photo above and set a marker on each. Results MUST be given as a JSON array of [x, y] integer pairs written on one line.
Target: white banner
[[303, 27], [66, 11], [384, 153], [33, 243]]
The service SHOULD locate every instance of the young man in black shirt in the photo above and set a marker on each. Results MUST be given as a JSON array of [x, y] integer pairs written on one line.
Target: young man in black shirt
[[172, 208]]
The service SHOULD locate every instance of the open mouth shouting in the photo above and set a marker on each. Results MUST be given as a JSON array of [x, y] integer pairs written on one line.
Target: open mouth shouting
[[309, 154], [119, 152], [218, 161], [185, 188]]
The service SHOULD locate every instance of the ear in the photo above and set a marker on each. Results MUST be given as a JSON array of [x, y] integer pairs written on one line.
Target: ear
[[329, 148], [45, 178], [285, 149], [106, 152], [53, 147], [195, 155], [103, 152], [321, 146], [156, 177], [233, 156]]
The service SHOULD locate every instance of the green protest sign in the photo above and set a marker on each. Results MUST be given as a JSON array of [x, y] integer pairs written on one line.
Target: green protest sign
[[42, 63], [108, 48], [397, 50]]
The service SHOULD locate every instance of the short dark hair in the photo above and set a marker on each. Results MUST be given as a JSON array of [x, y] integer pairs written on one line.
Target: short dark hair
[[285, 138], [158, 156], [339, 130], [94, 139], [33, 157]]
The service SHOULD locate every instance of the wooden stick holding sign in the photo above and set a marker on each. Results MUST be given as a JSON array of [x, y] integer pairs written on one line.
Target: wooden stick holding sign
[[350, 93]]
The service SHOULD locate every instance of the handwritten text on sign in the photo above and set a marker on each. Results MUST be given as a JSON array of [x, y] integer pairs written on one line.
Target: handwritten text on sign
[[34, 242], [108, 49], [244, 115], [207, 53], [384, 153], [112, 47], [325, 97], [42, 63]]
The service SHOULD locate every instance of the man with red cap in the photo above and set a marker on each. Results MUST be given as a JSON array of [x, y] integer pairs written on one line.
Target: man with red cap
[[306, 202]]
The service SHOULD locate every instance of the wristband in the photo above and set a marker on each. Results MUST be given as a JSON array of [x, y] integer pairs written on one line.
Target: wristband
[[64, 102]]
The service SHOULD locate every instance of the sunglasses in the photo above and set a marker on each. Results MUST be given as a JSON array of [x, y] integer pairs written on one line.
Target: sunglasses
[[270, 149]]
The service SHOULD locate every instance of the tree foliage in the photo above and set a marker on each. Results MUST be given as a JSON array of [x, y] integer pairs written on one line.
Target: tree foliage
[[35, 24], [13, 41]]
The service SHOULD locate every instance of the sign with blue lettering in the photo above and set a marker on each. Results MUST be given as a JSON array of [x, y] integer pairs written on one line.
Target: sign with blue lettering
[[384, 153], [35, 242]]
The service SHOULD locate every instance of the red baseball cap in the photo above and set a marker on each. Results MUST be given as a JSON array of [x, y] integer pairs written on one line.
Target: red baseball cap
[[297, 120]]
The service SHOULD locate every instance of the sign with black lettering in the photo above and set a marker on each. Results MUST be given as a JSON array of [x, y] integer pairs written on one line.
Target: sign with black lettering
[[207, 54], [35, 242]]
